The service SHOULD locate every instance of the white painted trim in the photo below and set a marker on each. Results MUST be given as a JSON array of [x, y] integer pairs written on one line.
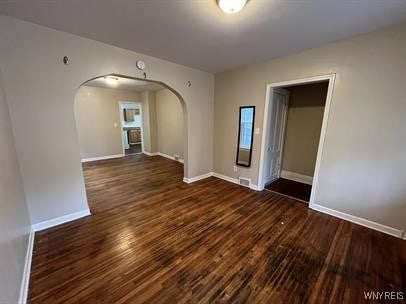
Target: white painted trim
[[169, 156], [226, 178], [235, 181], [254, 187], [197, 178], [358, 220], [322, 137], [60, 220], [84, 160], [221, 176], [261, 181], [139, 105], [331, 82], [22, 298], [150, 153], [297, 177]]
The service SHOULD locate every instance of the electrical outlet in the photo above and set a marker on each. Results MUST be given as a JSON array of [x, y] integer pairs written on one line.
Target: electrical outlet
[[235, 168]]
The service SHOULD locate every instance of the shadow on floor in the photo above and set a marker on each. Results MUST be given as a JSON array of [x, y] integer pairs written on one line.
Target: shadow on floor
[[134, 148], [291, 188]]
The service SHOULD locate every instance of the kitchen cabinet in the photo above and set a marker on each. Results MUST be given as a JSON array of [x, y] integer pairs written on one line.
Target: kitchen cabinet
[[134, 136]]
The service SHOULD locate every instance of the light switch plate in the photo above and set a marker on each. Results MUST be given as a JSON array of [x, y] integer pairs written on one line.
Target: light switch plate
[[256, 131]]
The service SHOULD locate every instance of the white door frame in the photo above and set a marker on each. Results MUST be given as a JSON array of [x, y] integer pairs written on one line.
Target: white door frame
[[331, 79], [139, 105]]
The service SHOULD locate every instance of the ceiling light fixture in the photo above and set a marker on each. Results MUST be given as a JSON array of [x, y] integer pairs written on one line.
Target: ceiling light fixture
[[231, 6], [112, 81]]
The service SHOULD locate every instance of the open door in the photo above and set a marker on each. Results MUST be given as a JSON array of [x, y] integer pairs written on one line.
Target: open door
[[278, 109]]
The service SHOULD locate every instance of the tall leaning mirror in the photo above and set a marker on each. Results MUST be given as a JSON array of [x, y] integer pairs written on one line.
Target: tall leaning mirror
[[245, 135]]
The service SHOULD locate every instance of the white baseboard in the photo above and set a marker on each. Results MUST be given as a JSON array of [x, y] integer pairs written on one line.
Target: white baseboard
[[169, 156], [22, 299], [197, 178], [234, 180], [254, 187], [226, 178], [149, 153], [84, 160], [358, 220], [60, 220], [305, 179]]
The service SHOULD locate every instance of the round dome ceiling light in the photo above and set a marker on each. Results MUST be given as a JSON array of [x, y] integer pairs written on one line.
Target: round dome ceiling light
[[231, 6]]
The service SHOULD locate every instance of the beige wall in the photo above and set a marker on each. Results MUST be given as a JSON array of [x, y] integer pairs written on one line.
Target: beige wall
[[40, 91], [363, 168], [169, 118], [96, 112], [303, 127], [149, 121], [14, 219]]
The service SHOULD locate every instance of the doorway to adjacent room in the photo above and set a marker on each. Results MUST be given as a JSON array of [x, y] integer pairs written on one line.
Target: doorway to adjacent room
[[295, 119]]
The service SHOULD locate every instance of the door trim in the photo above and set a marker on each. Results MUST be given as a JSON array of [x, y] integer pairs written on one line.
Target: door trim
[[139, 105], [331, 80]]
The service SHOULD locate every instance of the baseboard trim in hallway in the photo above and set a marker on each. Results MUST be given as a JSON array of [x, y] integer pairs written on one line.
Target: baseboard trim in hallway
[[301, 178], [170, 157], [22, 299], [85, 160], [60, 220]]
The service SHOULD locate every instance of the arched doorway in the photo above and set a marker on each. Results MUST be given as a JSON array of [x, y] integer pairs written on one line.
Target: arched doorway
[[89, 120], [113, 179]]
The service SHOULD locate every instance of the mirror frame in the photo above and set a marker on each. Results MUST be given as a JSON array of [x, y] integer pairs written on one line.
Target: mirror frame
[[239, 135]]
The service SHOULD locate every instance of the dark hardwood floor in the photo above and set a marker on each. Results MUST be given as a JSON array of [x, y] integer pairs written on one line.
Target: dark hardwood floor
[[291, 188], [154, 239], [133, 149]]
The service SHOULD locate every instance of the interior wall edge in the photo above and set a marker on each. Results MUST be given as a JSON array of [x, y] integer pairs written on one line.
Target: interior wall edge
[[54, 188], [60, 220], [25, 280]]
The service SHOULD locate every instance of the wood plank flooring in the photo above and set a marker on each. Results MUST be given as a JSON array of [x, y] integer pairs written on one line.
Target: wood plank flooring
[[133, 149], [291, 188], [154, 239]]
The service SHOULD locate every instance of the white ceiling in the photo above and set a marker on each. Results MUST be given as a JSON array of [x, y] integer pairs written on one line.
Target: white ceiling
[[197, 34], [124, 84]]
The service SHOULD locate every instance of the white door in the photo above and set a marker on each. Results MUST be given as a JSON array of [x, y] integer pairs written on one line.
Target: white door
[[276, 130]]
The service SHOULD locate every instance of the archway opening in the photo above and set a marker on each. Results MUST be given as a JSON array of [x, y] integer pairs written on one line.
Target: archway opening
[[126, 120]]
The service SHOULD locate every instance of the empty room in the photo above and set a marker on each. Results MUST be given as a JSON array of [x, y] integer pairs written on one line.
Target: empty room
[[211, 151]]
